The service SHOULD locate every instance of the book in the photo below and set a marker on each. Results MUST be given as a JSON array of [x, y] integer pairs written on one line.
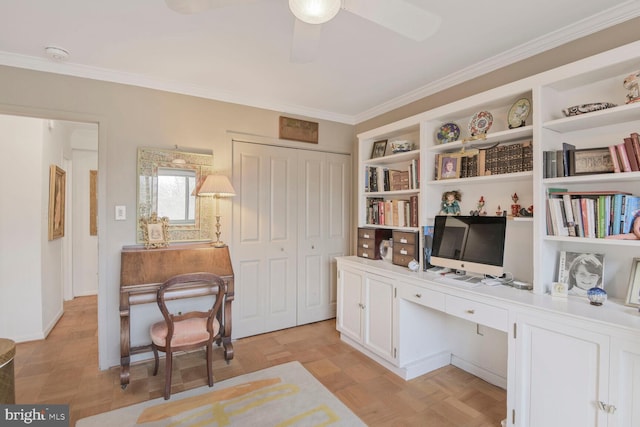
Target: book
[[558, 218], [633, 161], [577, 214], [624, 160], [616, 214], [635, 139], [568, 211], [614, 158], [566, 149], [631, 209], [580, 271]]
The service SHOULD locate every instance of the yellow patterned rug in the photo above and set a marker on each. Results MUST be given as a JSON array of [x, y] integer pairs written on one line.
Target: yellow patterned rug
[[286, 395]]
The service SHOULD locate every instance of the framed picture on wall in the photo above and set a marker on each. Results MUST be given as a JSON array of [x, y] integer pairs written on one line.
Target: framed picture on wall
[[57, 185]]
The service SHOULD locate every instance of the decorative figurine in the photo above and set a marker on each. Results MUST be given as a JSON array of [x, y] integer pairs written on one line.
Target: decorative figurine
[[631, 83], [480, 210], [499, 211], [450, 203], [515, 208]]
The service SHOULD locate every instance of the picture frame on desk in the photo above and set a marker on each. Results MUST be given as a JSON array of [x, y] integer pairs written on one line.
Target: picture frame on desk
[[590, 161], [633, 294], [449, 165], [155, 231], [379, 148]]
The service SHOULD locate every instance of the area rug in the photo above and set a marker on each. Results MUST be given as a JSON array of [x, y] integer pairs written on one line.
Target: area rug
[[286, 395]]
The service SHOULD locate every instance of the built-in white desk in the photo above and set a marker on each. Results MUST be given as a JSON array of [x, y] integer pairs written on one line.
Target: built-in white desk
[[581, 360]]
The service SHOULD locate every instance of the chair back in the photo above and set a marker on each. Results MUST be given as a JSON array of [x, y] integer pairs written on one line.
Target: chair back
[[183, 283]]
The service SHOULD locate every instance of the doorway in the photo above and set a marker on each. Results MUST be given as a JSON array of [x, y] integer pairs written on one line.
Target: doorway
[[40, 270]]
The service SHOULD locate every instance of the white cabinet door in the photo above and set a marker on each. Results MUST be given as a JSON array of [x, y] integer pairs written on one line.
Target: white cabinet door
[[323, 230], [378, 311], [623, 407], [561, 374], [365, 310], [265, 238], [350, 307]]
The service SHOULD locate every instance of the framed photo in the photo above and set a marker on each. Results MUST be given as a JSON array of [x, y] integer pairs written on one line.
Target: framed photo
[[155, 231], [379, 148], [449, 165], [633, 295], [590, 161], [57, 185]]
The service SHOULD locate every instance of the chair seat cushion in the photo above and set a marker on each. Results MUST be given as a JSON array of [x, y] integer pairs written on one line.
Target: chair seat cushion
[[185, 332]]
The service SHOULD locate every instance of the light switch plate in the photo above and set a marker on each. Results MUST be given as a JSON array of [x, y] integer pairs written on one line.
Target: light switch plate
[[121, 213]]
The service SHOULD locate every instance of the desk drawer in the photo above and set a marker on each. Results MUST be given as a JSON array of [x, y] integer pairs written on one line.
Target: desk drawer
[[425, 297], [477, 312]]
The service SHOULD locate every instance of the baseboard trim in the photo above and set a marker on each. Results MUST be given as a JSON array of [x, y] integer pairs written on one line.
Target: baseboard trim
[[479, 372]]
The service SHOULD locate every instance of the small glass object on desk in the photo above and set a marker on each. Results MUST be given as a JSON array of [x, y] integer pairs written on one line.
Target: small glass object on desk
[[596, 296]]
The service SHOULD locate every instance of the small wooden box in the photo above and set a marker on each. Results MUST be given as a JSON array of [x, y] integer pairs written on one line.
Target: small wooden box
[[369, 241], [405, 247]]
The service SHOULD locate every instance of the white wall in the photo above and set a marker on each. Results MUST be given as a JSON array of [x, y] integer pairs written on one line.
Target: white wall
[[23, 219], [85, 246]]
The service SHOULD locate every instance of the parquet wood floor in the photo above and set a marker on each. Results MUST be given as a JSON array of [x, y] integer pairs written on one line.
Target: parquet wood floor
[[64, 369]]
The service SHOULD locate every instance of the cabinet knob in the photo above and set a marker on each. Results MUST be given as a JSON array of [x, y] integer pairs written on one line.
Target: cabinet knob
[[470, 311], [313, 246], [418, 295]]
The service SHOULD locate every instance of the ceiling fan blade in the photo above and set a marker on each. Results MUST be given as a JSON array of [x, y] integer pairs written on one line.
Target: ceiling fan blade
[[305, 42], [397, 15]]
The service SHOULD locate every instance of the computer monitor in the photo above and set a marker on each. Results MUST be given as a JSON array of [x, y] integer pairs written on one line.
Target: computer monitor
[[474, 244]]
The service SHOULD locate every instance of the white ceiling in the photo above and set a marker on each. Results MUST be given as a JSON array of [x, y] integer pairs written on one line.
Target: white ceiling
[[240, 53]]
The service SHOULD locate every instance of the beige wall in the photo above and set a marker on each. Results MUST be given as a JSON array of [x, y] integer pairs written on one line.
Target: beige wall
[[129, 117], [601, 41]]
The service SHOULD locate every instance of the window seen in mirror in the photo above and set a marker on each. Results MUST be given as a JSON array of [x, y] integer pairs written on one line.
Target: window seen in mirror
[[176, 195]]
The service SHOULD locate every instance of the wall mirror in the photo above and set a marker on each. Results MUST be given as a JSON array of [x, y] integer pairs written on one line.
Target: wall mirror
[[167, 184]]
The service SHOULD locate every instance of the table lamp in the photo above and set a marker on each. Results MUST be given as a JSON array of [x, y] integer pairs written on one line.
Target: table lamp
[[217, 186]]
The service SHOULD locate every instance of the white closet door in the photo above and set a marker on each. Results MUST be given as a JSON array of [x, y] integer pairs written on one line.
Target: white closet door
[[323, 230], [264, 238]]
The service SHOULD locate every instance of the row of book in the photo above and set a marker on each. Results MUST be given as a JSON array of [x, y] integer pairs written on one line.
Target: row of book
[[569, 161], [380, 178], [496, 160], [592, 214], [626, 156], [395, 213]]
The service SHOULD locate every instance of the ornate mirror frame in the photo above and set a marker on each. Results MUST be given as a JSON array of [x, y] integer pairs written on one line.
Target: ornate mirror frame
[[149, 160]]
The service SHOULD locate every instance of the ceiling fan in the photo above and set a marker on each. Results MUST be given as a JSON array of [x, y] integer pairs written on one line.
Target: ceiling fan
[[399, 16]]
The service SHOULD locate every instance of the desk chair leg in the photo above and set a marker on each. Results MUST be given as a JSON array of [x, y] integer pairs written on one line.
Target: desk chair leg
[[167, 381], [155, 358], [209, 363]]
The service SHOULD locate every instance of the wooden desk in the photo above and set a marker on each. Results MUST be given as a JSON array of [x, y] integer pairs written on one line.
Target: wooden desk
[[142, 271]]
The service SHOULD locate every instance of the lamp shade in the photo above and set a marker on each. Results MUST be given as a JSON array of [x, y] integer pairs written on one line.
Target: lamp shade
[[315, 11], [217, 185]]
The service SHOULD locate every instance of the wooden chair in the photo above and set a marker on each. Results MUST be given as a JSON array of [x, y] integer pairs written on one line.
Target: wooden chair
[[187, 331]]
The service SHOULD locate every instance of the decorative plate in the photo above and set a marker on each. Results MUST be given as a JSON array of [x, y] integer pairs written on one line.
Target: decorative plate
[[448, 132], [587, 108], [480, 123], [518, 113]]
